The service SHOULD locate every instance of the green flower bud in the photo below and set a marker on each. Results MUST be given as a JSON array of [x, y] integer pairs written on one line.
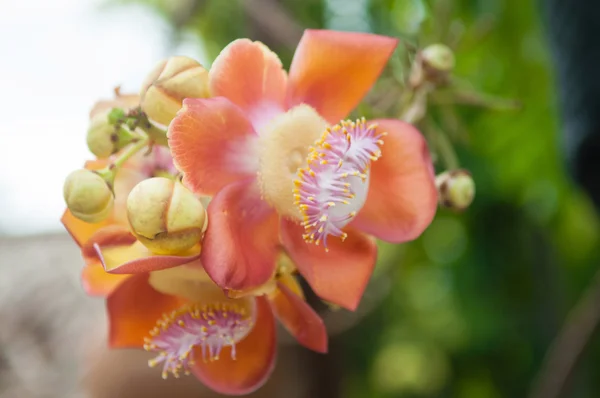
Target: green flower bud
[[88, 195], [171, 81], [438, 58], [433, 64], [104, 137], [165, 216], [456, 189], [101, 136]]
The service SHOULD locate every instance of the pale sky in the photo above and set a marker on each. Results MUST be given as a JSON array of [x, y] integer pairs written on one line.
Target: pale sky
[[57, 57]]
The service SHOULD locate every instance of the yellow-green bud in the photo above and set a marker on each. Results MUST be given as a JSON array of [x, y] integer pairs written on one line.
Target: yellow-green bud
[[169, 83], [456, 189], [101, 136], [165, 216], [438, 58], [88, 195], [433, 65]]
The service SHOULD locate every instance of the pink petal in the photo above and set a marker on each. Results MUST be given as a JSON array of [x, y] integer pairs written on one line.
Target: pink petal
[[213, 144], [402, 198], [299, 319], [240, 244], [254, 363], [332, 71], [340, 275], [251, 76]]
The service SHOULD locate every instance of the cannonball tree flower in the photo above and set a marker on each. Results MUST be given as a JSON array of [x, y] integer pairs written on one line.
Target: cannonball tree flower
[[179, 314], [286, 174]]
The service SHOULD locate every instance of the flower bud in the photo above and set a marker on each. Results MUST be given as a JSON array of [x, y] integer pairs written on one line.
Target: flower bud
[[88, 195], [456, 189], [101, 136], [433, 64], [171, 81], [165, 216], [438, 58]]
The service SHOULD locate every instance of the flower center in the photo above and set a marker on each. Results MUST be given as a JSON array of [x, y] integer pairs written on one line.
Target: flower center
[[208, 326], [333, 187], [284, 145]]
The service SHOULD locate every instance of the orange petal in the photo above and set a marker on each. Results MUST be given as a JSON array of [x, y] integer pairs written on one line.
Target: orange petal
[[80, 230], [402, 198], [213, 144], [332, 71], [133, 310], [255, 358], [339, 275], [120, 253], [250, 75], [97, 282], [240, 244], [108, 236], [299, 319]]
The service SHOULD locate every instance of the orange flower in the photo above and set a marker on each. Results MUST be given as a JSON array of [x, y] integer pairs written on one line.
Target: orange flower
[[281, 172], [168, 305]]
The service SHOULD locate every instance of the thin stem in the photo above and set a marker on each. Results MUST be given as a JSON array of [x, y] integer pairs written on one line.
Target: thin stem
[[132, 150], [566, 350], [443, 146], [473, 98], [157, 135], [416, 109]]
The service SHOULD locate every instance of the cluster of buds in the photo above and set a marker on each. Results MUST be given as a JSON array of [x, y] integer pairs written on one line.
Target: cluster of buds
[[164, 215]]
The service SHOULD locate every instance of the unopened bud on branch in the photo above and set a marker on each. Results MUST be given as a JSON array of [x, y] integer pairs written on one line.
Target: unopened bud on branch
[[165, 216], [88, 195], [171, 81], [456, 189]]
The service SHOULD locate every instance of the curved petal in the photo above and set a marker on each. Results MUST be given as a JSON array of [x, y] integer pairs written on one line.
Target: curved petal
[[136, 258], [97, 282], [402, 198], [332, 71], [108, 236], [240, 244], [255, 358], [120, 253], [299, 319], [80, 230], [133, 310], [250, 75], [213, 144], [339, 275]]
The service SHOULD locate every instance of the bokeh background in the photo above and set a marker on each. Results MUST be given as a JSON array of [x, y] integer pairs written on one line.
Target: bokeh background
[[468, 310]]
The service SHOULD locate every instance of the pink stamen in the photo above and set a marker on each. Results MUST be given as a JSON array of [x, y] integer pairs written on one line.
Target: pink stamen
[[211, 327], [326, 190]]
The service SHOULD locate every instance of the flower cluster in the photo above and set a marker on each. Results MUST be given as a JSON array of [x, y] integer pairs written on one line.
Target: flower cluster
[[213, 190]]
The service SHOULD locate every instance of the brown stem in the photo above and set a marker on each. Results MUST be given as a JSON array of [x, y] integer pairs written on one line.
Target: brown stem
[[568, 346]]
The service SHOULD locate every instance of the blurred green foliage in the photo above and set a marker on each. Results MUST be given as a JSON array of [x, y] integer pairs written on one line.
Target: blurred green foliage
[[477, 299]]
